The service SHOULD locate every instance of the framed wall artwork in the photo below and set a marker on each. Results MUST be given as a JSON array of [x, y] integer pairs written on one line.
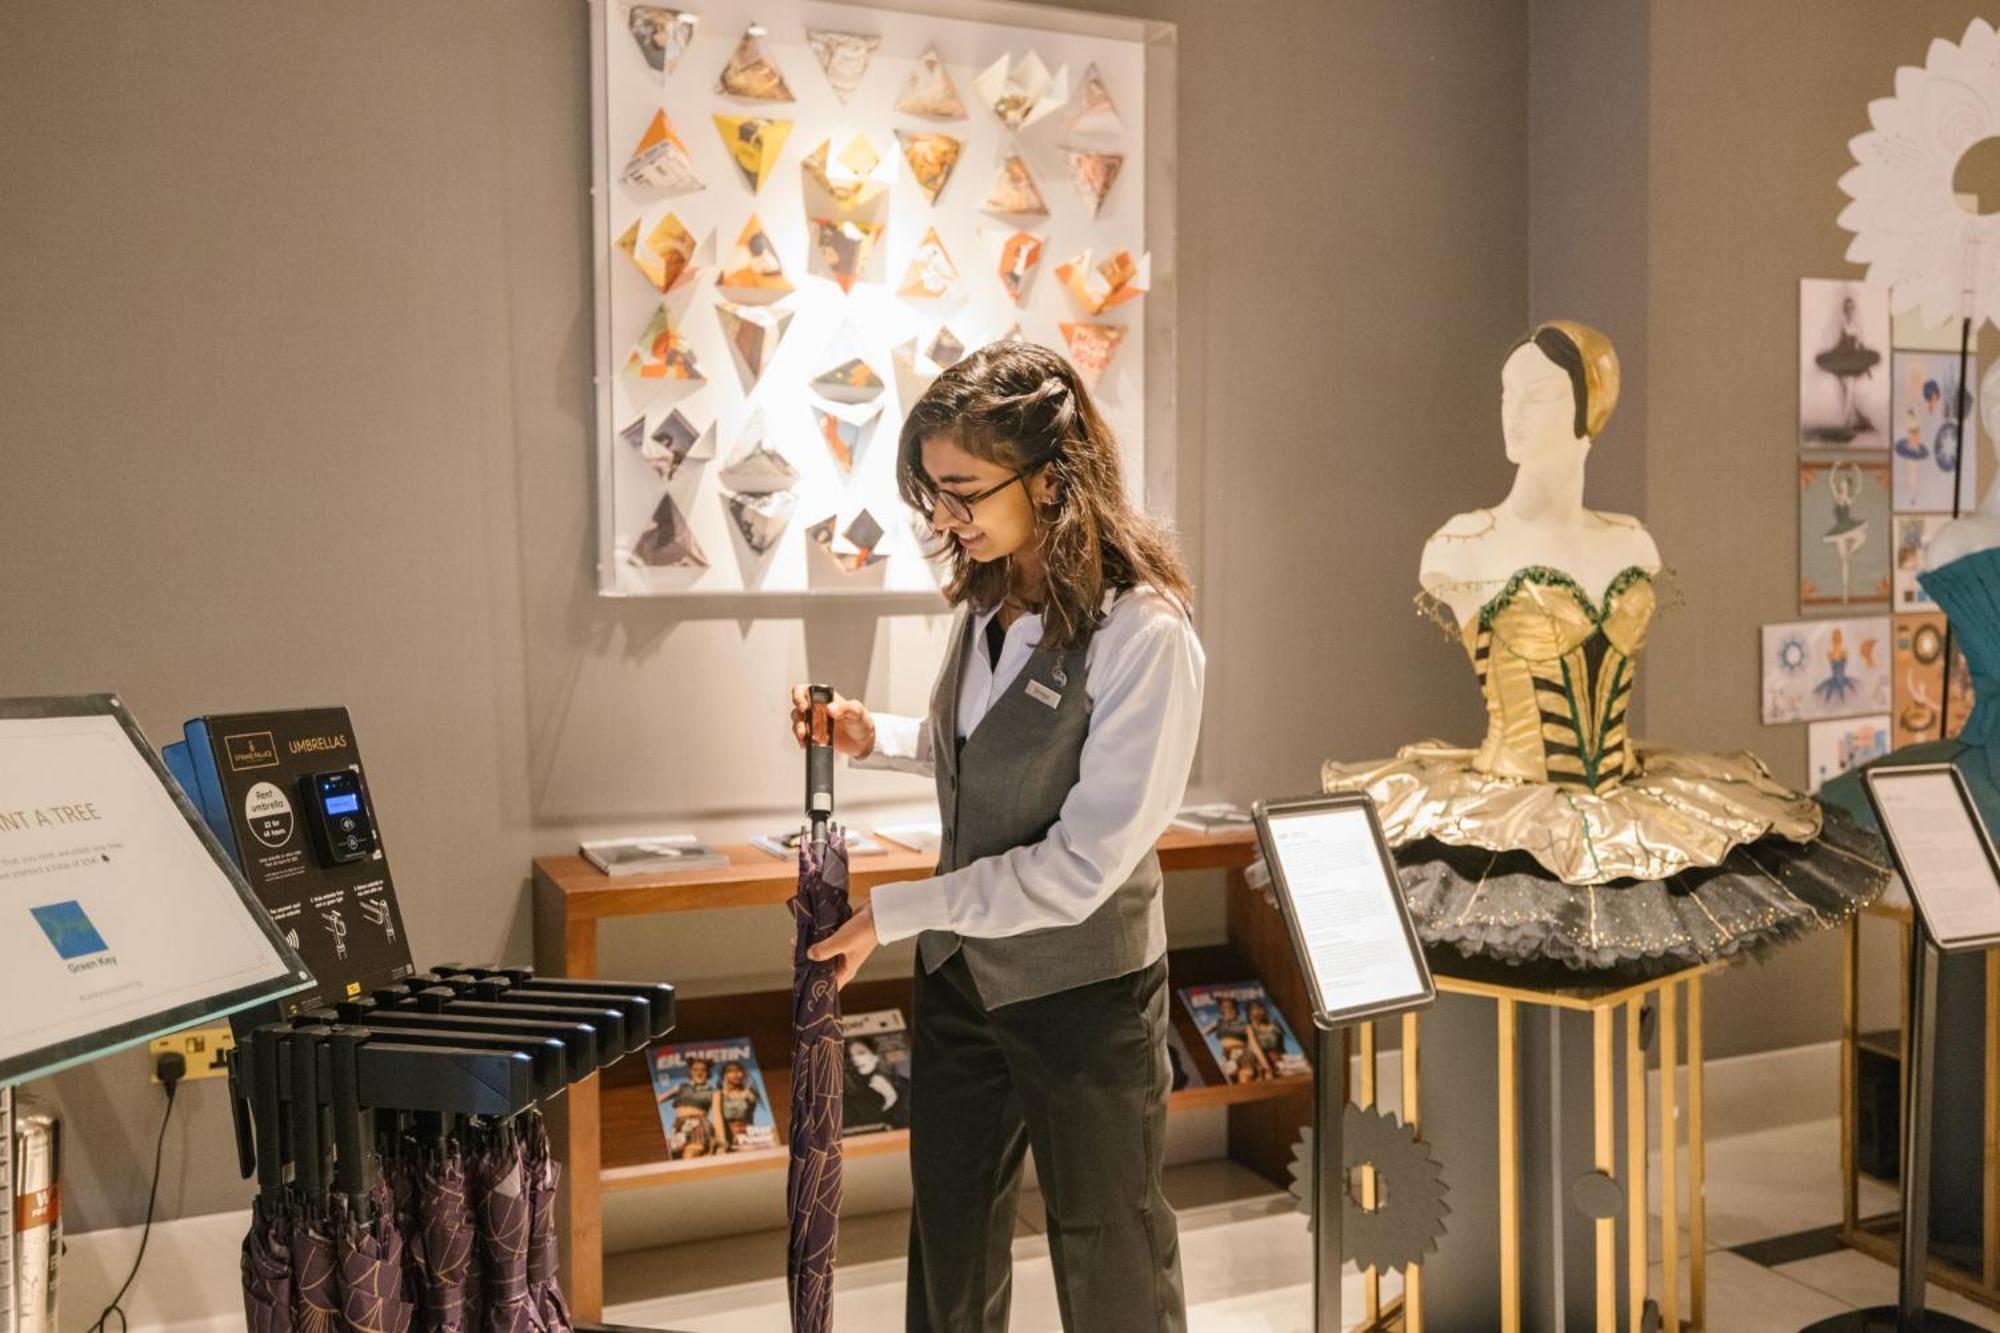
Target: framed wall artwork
[[801, 220]]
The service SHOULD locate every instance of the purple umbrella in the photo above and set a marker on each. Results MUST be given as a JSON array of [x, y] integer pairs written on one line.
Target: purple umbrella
[[371, 1270], [315, 1300], [267, 1272], [543, 1175], [441, 1241], [812, 1190], [503, 1236]]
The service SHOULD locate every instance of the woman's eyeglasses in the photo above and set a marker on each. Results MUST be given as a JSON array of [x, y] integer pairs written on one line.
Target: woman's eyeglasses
[[960, 506]]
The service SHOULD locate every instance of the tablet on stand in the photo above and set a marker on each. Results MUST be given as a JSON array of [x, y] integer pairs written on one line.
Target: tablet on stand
[[1335, 882]]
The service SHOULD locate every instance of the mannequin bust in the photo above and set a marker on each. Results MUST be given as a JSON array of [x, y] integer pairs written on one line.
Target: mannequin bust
[[1557, 391], [1980, 529]]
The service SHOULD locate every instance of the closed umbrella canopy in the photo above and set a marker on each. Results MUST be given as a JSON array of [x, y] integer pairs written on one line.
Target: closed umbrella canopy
[[442, 1241], [267, 1272], [371, 1273], [503, 1210], [813, 1186], [543, 1175], [315, 1281]]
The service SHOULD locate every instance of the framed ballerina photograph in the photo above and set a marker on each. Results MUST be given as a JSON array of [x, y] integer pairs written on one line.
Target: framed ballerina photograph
[[1913, 537], [1924, 709], [1817, 669], [1843, 364], [1925, 436], [1846, 546]]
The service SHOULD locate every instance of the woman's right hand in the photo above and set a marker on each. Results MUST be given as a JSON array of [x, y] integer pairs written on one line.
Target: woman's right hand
[[853, 728]]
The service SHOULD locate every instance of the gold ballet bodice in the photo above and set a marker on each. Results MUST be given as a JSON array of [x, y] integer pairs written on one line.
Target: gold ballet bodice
[[1556, 671]]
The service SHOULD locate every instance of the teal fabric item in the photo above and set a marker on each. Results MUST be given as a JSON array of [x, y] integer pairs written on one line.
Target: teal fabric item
[[1968, 592]]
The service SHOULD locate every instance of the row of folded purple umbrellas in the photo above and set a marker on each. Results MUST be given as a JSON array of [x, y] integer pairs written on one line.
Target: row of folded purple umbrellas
[[451, 1238]]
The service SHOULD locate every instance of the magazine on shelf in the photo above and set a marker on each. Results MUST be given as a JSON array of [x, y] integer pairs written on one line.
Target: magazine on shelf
[[1187, 1074], [711, 1098], [785, 846], [916, 837], [652, 855], [1245, 1032], [875, 1093], [1219, 817]]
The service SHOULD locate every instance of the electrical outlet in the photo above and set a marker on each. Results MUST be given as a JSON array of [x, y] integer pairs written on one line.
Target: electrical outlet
[[207, 1051]]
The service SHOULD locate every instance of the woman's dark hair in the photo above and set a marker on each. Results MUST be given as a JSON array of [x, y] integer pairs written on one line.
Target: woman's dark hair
[[1023, 407], [1560, 348]]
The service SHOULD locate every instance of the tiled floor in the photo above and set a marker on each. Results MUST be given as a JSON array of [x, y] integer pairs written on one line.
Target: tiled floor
[[1247, 1261]]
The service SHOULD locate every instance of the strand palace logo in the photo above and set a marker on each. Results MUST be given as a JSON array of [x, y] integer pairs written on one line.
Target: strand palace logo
[[258, 749]]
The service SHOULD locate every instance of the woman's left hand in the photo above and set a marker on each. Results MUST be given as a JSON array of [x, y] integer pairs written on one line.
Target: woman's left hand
[[850, 944]]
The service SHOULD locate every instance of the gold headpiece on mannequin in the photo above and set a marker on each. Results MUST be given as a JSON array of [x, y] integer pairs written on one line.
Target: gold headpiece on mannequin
[[1600, 371]]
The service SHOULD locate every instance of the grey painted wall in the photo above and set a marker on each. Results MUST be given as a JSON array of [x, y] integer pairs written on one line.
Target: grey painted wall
[[291, 283]]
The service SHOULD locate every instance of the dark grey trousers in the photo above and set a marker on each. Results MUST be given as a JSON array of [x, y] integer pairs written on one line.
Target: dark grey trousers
[[1080, 1078]]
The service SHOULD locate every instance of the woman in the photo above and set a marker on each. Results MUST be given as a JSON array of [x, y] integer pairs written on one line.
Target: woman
[[875, 1095], [697, 1118], [738, 1101], [1060, 735]]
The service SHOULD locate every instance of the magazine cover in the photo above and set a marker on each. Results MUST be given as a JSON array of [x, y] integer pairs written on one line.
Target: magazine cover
[[1245, 1032], [876, 1093], [711, 1098], [1187, 1074]]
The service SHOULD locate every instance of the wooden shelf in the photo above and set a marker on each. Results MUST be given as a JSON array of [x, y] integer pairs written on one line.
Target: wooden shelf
[[633, 1151], [755, 878]]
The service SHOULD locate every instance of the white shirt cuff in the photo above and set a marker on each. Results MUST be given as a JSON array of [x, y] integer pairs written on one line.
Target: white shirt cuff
[[898, 745], [903, 909]]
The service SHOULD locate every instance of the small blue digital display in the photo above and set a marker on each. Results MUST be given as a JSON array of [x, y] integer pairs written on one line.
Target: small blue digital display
[[344, 804]]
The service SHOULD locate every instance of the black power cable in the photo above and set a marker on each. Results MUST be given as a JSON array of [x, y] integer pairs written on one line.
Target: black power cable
[[171, 1068]]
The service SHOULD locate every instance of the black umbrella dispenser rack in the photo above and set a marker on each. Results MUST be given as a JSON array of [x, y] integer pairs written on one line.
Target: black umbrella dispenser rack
[[390, 1115]]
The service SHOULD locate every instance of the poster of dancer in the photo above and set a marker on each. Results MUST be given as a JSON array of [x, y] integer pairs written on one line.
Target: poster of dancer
[[1846, 547], [1843, 364]]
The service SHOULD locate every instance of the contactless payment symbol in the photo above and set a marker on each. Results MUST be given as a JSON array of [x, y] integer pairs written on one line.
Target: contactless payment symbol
[[69, 929]]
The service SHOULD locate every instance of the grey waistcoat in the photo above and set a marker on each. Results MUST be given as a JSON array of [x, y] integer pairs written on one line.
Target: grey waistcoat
[[1004, 788]]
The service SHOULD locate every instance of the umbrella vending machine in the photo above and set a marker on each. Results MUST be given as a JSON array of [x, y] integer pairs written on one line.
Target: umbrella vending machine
[[391, 1115]]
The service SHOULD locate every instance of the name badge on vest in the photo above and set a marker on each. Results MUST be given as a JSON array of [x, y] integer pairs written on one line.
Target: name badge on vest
[[1042, 694]]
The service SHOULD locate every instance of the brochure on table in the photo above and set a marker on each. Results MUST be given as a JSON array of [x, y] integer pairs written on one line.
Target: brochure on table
[[1335, 881], [123, 918], [1943, 850]]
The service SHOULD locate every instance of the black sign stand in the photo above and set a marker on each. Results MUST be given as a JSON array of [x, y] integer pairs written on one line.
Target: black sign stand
[[1329, 1183], [1908, 1315]]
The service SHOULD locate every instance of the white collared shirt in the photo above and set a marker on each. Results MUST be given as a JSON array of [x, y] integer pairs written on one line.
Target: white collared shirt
[[1143, 675]]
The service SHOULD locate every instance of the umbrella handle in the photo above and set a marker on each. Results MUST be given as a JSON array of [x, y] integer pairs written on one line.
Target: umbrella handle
[[819, 762], [307, 1171], [350, 1160], [266, 1112]]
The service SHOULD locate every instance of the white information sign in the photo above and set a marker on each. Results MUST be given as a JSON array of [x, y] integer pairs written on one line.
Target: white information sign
[[119, 920], [1337, 885], [1943, 850]]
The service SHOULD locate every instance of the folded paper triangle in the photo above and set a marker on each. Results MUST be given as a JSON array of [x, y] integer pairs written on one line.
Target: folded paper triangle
[[1093, 175], [754, 271], [760, 519], [844, 56], [931, 272], [930, 93], [661, 34], [753, 465], [669, 541], [753, 333], [1022, 92], [754, 144], [845, 247], [1014, 190], [752, 73], [1091, 347], [662, 352], [661, 248], [931, 156], [1095, 113], [661, 161]]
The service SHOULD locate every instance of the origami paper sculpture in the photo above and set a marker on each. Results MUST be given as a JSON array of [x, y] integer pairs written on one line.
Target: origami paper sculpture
[[760, 519], [1020, 255], [661, 34], [634, 435], [930, 93], [1091, 347], [754, 144], [917, 369], [753, 333], [945, 349], [1021, 94], [662, 352], [661, 161], [1093, 174], [845, 247], [931, 271], [1095, 113], [753, 465], [752, 73], [669, 541], [931, 157], [844, 56], [845, 430], [852, 381], [661, 247], [674, 441], [856, 546], [853, 183], [1014, 190], [754, 272], [1119, 279]]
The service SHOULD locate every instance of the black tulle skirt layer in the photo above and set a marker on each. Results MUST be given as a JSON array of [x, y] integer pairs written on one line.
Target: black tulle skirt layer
[[1505, 907]]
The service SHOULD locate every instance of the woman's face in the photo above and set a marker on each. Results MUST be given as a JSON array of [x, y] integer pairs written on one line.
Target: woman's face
[[698, 1070], [732, 1077], [1537, 407], [863, 1058], [1004, 522], [1258, 1014]]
